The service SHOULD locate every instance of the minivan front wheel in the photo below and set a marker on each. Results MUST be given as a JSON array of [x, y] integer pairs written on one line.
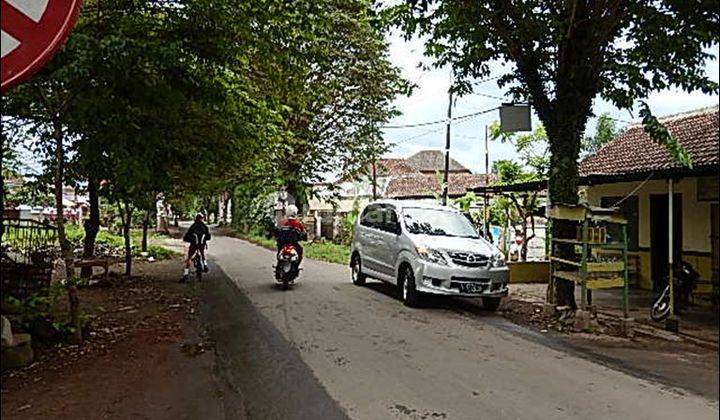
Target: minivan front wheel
[[358, 278], [410, 295], [491, 303]]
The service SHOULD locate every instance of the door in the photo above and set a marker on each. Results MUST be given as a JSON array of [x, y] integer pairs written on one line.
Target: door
[[369, 238], [659, 236], [715, 240], [388, 242]]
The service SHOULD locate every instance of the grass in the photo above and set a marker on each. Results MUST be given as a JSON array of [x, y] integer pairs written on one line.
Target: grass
[[322, 250], [328, 251], [75, 234]]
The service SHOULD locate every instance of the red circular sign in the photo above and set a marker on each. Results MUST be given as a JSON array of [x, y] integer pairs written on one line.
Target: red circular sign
[[32, 30]]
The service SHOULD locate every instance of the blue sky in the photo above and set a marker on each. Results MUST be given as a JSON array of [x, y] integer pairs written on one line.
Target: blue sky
[[430, 100]]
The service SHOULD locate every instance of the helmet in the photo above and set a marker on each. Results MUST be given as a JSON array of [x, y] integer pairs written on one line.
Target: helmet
[[199, 217], [291, 210]]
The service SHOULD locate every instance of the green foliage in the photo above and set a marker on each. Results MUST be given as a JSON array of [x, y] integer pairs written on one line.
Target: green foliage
[[347, 225], [605, 131], [466, 201], [106, 238], [661, 134], [46, 306], [319, 250], [561, 56], [328, 251]]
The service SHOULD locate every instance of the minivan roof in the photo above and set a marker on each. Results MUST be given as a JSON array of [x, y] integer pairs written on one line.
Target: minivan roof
[[415, 204]]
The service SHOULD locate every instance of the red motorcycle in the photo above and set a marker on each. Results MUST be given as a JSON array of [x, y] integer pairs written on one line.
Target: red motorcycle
[[287, 268]]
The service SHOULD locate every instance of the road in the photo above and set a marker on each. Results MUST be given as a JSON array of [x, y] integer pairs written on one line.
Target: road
[[329, 349]]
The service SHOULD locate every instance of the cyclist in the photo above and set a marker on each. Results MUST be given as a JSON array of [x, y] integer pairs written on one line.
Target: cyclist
[[197, 235]]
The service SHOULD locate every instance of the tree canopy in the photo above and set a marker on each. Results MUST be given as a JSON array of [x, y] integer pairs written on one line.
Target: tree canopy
[[200, 97], [562, 55]]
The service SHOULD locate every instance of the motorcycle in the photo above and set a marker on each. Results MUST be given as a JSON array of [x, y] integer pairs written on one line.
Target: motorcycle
[[287, 268], [685, 279]]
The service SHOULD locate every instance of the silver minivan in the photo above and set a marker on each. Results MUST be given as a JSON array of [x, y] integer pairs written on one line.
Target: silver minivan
[[426, 248]]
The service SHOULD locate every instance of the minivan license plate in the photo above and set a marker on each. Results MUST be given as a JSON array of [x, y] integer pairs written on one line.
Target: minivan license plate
[[471, 288]]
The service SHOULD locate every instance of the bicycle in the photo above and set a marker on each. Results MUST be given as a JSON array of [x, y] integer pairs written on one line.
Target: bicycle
[[197, 263]]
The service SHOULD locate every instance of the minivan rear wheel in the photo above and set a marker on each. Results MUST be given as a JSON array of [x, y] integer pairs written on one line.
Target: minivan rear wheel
[[358, 278], [410, 295]]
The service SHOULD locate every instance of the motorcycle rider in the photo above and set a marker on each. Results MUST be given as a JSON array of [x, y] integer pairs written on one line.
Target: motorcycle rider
[[290, 220], [197, 236]]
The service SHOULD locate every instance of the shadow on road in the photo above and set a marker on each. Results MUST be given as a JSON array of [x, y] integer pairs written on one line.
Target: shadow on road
[[468, 305]]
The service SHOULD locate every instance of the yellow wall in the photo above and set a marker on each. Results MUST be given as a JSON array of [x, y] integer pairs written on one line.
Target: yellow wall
[[529, 272], [696, 221]]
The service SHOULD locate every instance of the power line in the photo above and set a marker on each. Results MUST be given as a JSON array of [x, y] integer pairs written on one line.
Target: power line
[[490, 79], [437, 130], [444, 121]]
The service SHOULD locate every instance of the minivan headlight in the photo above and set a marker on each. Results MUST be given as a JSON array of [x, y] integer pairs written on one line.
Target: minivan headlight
[[431, 255], [498, 260]]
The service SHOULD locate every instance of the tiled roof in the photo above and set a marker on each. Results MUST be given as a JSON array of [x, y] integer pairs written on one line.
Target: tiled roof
[[424, 185], [392, 166], [433, 160], [634, 152]]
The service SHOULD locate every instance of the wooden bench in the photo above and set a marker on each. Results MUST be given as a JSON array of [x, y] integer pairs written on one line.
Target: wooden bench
[[102, 262]]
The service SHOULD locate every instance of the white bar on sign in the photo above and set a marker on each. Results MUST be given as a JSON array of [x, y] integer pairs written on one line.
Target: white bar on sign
[[34, 9]]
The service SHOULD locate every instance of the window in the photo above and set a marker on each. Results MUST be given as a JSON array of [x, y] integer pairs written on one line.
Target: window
[[421, 221], [372, 217], [390, 220], [629, 209]]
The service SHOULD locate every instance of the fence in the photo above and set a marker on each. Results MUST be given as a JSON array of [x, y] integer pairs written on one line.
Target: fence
[[27, 251]]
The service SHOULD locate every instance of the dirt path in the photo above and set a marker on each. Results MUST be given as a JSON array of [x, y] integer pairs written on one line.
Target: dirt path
[[147, 358]]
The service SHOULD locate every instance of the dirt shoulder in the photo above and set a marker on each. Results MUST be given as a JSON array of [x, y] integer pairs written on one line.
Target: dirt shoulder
[[650, 354], [147, 357]]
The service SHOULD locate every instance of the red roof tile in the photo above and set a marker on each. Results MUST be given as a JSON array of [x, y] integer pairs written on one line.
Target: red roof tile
[[633, 151], [433, 160], [424, 185]]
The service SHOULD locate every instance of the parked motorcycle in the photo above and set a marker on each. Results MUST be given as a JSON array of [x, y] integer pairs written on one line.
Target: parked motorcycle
[[685, 279], [287, 267]]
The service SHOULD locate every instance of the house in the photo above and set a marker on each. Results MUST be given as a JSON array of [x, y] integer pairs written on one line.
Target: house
[[417, 177], [637, 175]]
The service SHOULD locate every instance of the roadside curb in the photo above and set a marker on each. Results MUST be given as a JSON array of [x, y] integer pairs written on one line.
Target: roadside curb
[[643, 328]]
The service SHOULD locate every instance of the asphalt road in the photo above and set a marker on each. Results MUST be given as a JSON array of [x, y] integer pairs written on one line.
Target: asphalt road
[[328, 349]]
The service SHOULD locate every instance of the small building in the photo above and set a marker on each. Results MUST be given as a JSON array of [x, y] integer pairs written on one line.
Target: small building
[[417, 177], [636, 174]]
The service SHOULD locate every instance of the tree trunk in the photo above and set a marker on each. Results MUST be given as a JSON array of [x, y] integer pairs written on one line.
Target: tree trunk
[[562, 185], [227, 209], [297, 191], [145, 225], [2, 185], [65, 250], [126, 216], [91, 226]]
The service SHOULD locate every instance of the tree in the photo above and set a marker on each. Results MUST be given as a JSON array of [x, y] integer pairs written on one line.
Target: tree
[[605, 131], [521, 207], [562, 55], [333, 77]]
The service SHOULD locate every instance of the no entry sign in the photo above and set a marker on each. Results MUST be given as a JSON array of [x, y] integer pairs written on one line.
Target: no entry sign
[[32, 30]]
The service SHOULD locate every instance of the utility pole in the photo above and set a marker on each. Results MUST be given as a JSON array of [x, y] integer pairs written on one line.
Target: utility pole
[[374, 180], [447, 151], [486, 202]]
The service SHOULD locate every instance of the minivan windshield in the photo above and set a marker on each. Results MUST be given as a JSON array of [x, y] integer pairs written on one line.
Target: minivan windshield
[[438, 222]]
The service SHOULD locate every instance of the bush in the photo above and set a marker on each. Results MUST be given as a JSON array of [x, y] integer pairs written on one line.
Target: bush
[[43, 315]]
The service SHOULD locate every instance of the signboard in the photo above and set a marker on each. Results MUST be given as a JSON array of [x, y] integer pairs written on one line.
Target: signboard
[[32, 31], [515, 117]]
